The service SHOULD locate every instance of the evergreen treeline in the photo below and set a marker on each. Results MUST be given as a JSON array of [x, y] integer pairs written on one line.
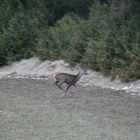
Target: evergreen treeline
[[102, 34]]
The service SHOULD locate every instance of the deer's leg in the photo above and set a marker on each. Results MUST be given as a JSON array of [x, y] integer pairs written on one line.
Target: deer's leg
[[67, 89], [58, 84]]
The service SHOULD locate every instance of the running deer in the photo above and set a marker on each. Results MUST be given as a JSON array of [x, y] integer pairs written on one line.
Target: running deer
[[69, 79]]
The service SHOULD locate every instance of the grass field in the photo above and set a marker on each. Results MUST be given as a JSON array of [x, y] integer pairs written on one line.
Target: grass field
[[36, 110]]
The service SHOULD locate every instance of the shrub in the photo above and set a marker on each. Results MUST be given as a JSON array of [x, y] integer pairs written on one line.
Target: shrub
[[64, 40], [19, 38]]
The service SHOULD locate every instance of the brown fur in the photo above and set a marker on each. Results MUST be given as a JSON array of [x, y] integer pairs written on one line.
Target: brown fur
[[68, 79]]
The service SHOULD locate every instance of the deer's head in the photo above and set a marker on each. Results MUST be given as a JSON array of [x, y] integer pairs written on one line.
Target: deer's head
[[82, 70]]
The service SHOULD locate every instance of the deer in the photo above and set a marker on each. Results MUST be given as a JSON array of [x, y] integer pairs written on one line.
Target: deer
[[69, 79]]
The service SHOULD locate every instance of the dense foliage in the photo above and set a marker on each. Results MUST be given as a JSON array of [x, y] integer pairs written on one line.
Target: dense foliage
[[102, 34]]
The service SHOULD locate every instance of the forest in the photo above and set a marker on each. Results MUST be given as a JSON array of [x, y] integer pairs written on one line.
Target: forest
[[104, 35]]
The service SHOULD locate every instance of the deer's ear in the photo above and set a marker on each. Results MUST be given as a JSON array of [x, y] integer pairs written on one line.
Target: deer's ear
[[81, 66]]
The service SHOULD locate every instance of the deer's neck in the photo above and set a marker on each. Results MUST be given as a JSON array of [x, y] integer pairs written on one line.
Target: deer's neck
[[78, 76]]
